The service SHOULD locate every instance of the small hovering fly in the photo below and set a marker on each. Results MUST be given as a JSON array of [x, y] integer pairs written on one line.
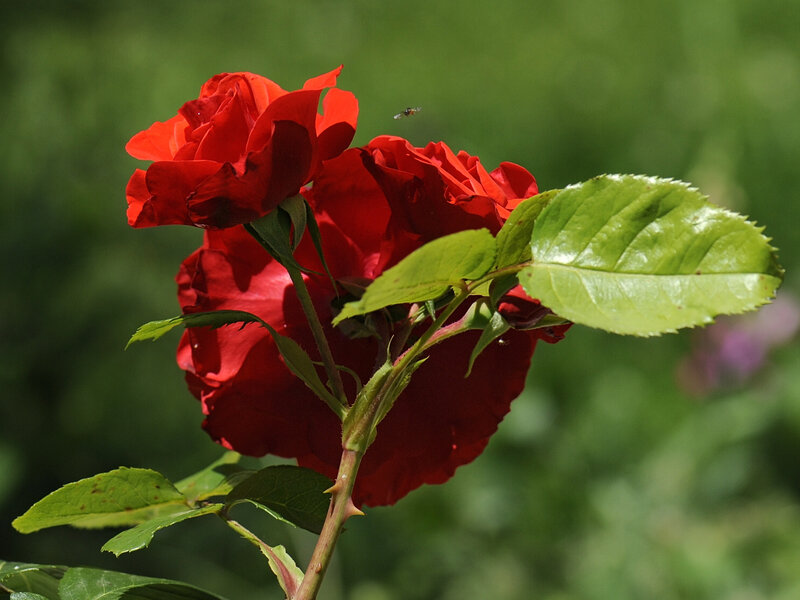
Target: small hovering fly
[[408, 112]]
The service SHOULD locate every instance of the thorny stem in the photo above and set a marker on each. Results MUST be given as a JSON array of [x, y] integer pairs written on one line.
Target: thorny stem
[[360, 434], [341, 509], [341, 506]]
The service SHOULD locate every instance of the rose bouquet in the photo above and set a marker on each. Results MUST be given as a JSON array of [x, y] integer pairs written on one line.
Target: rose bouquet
[[371, 312]]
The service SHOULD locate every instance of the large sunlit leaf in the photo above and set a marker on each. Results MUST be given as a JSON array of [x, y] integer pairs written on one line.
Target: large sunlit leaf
[[123, 496], [291, 494], [140, 536], [644, 256], [428, 272]]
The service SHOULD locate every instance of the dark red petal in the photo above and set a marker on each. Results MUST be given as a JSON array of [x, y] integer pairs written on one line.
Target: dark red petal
[[351, 198], [551, 335], [520, 310], [443, 420], [256, 418], [199, 112], [226, 138], [419, 206], [138, 197], [270, 176], [171, 184], [256, 91], [299, 107]]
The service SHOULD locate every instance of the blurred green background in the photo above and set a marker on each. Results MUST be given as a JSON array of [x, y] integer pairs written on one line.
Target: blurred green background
[[607, 481]]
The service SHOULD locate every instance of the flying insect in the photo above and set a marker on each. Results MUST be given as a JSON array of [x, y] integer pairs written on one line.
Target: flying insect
[[409, 111]]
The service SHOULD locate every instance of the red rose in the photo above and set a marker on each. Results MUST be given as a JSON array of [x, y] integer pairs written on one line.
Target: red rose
[[237, 151], [414, 195], [374, 205]]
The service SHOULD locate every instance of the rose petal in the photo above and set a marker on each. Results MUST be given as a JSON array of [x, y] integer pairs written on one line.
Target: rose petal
[[322, 81], [170, 185], [158, 142]]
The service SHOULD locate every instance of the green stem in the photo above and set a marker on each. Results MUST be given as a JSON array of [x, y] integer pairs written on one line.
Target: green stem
[[341, 506], [360, 434], [420, 345], [341, 509], [507, 270], [436, 333], [310, 312], [319, 334]]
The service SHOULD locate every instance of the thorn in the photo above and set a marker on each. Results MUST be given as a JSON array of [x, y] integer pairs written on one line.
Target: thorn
[[351, 510], [335, 488]]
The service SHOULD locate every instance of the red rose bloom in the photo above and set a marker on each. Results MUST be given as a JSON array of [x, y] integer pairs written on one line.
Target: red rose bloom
[[392, 197], [237, 151], [374, 205]]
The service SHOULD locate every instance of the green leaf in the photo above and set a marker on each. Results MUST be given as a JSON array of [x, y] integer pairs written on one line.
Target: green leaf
[[283, 566], [291, 494], [37, 579], [501, 286], [643, 256], [514, 238], [301, 365], [316, 238], [274, 232], [217, 479], [53, 582], [140, 536], [280, 562], [123, 496], [428, 272], [155, 329], [295, 207], [96, 584], [494, 328], [296, 359]]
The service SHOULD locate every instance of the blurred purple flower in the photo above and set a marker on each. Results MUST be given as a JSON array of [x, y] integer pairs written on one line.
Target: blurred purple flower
[[735, 348]]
